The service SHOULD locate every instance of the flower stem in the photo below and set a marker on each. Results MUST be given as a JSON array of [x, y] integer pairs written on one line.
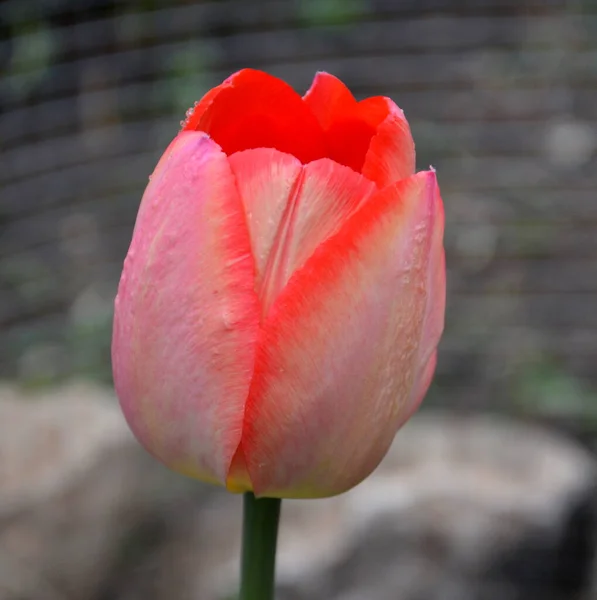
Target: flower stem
[[260, 534]]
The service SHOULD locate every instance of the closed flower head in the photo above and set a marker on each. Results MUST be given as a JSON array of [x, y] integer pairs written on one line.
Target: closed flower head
[[283, 296]]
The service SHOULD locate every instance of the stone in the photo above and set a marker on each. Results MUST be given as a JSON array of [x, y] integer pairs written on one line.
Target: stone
[[463, 508], [73, 484]]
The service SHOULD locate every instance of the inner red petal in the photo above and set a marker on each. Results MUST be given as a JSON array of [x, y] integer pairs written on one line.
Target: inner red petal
[[252, 109], [373, 110], [348, 141], [348, 125], [327, 97]]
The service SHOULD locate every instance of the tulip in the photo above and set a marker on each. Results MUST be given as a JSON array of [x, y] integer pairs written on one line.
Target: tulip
[[283, 296]]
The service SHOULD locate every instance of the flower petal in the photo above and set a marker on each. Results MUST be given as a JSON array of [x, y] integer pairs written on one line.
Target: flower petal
[[391, 154], [328, 97], [337, 361], [371, 136], [265, 179], [424, 378], [252, 109], [433, 321], [291, 209], [349, 125], [329, 194], [186, 315]]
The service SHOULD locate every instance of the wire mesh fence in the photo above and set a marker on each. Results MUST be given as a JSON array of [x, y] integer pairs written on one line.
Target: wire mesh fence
[[501, 96]]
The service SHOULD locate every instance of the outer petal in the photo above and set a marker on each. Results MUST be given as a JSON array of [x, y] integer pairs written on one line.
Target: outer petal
[[433, 323], [186, 317], [371, 136], [424, 377], [291, 209], [252, 109], [337, 362]]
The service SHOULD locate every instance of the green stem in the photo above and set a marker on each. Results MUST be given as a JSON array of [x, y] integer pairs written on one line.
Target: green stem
[[260, 534]]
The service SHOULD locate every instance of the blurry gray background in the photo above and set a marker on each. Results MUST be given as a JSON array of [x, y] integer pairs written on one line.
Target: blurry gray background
[[501, 96]]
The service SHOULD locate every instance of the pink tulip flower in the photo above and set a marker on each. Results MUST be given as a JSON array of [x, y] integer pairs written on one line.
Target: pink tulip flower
[[283, 296]]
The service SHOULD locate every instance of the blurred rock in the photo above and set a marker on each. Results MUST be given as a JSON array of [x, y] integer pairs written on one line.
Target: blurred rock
[[42, 362], [569, 143], [73, 485], [462, 508]]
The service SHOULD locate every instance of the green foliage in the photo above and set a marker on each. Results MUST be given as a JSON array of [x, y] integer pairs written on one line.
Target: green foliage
[[189, 76], [33, 52], [546, 390], [88, 348], [27, 273], [318, 13]]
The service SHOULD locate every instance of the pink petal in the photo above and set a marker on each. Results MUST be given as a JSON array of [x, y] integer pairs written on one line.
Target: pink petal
[[186, 319], [424, 377], [265, 179], [433, 322], [291, 209], [338, 357]]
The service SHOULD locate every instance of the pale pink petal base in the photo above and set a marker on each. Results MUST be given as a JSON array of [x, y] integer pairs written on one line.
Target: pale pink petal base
[[187, 316], [338, 359]]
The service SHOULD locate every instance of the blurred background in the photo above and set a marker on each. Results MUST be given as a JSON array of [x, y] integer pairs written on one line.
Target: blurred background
[[490, 493]]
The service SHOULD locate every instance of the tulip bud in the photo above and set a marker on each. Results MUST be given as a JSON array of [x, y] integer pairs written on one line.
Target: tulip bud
[[283, 296]]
